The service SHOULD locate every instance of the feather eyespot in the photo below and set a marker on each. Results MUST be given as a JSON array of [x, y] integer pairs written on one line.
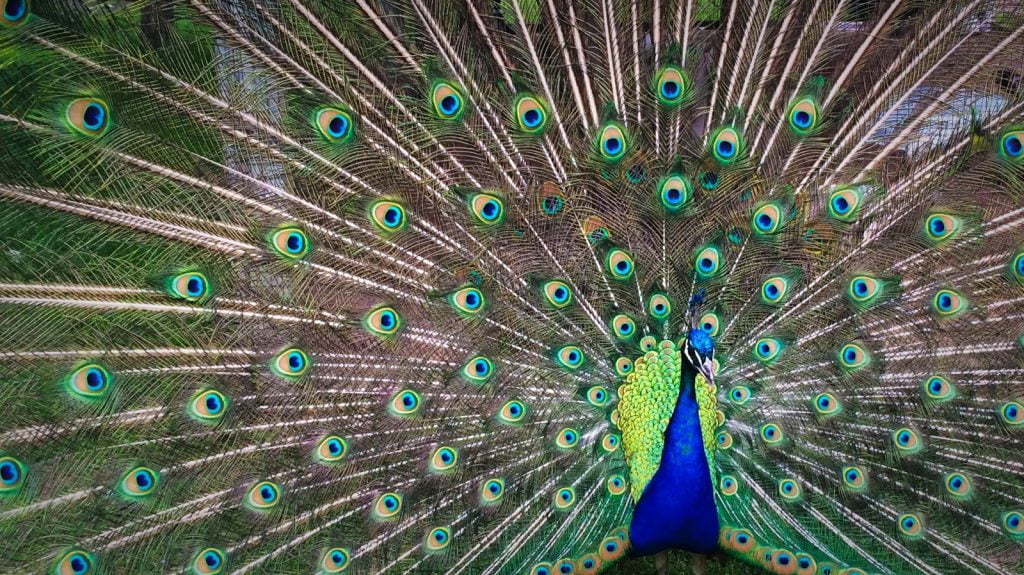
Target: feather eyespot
[[335, 125], [513, 412], [623, 326], [958, 486], [570, 357], [491, 491], [75, 562], [597, 396], [189, 286], [853, 357], [382, 321], [557, 293], [209, 561], [727, 145], [388, 216], [610, 442], [940, 227], [907, 441], [788, 489], [1013, 523], [567, 438], [478, 369], [564, 498], [623, 366], [728, 485], [739, 395], [290, 242], [648, 343], [88, 116], [803, 116], [910, 525], [774, 290], [659, 307], [138, 483], [444, 459], [744, 540], [723, 440], [782, 562], [709, 322], [673, 86], [611, 549], [1017, 267], [805, 564], [768, 219], [531, 115], [948, 302], [844, 204], [616, 485], [1012, 413], [619, 264], [263, 496], [864, 290], [854, 478], [388, 506], [1011, 145], [771, 434], [487, 209], [15, 12], [541, 569], [335, 560], [90, 382], [12, 476], [447, 101], [826, 405], [565, 567], [468, 301], [437, 539], [405, 403], [938, 388], [331, 449], [768, 349], [674, 193], [612, 143], [208, 406], [291, 363], [708, 262]]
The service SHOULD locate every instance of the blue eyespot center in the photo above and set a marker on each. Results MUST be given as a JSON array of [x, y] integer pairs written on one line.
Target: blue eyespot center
[[802, 119], [449, 104], [79, 564], [338, 126], [956, 483], [337, 557], [143, 479], [490, 210], [803, 563], [561, 294], [387, 320], [1013, 146], [390, 502], [726, 148], [709, 180], [493, 487], [295, 242], [211, 559], [552, 205], [392, 216], [860, 287], [472, 300], [334, 447], [1011, 411], [295, 360], [194, 286], [945, 301], [612, 145], [531, 118], [94, 116], [95, 380], [742, 538], [850, 355], [213, 403], [670, 89], [852, 475], [408, 400], [514, 409], [267, 493], [841, 204], [9, 473], [772, 290], [783, 559], [14, 9], [706, 264]]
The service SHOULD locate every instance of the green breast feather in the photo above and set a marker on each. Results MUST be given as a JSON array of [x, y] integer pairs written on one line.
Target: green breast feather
[[646, 402]]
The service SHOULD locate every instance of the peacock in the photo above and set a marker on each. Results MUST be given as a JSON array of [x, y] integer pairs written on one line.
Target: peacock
[[511, 286]]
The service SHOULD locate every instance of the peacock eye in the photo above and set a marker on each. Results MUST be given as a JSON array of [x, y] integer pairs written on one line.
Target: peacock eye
[[447, 101], [672, 86], [726, 145], [803, 116], [531, 115], [612, 144], [334, 125]]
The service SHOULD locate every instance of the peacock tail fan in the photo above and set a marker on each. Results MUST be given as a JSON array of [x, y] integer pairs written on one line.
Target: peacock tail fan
[[511, 286]]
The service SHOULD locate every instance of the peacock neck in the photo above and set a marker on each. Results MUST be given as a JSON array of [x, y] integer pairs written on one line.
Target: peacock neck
[[677, 508]]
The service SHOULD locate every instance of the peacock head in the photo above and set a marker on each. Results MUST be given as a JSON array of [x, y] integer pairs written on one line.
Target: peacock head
[[699, 350]]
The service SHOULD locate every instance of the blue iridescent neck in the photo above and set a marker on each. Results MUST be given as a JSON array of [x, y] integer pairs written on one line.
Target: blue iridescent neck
[[677, 508]]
